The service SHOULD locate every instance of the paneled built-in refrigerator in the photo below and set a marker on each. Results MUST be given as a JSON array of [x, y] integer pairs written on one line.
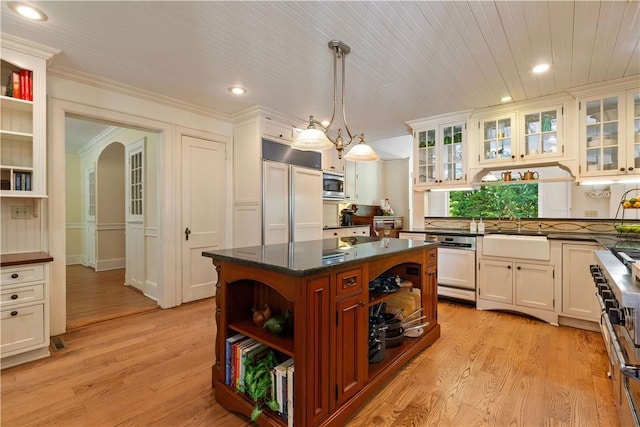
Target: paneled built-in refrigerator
[[292, 194]]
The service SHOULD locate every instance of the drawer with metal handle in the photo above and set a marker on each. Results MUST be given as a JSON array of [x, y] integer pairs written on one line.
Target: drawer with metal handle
[[21, 274], [21, 295]]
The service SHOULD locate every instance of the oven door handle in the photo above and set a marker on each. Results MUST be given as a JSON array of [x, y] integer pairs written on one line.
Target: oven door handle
[[627, 369]]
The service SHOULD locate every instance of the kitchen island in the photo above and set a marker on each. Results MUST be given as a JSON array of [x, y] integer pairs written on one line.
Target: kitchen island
[[324, 284]]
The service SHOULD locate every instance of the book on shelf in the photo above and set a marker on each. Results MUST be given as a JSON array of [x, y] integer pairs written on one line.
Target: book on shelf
[[236, 360], [17, 181], [15, 82], [20, 85], [229, 357], [27, 182], [290, 376], [280, 385]]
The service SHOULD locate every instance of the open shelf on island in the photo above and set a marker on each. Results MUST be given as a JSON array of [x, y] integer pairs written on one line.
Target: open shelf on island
[[248, 328]]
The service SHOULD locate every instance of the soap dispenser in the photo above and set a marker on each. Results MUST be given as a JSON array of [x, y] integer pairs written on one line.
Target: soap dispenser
[[472, 225], [481, 226]]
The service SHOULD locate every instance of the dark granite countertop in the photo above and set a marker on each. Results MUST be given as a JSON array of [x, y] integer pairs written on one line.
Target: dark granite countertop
[[304, 258], [609, 239]]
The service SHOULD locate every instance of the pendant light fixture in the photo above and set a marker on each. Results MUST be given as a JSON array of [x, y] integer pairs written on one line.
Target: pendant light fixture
[[316, 136]]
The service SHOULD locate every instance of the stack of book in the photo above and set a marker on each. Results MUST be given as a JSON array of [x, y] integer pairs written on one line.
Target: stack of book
[[240, 347], [20, 85], [282, 389], [22, 181]]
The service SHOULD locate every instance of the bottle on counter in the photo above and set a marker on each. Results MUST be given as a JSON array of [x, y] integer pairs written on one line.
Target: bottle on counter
[[481, 226], [472, 225]]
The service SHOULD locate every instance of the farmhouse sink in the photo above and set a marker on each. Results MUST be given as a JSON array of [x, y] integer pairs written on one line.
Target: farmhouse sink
[[516, 246]]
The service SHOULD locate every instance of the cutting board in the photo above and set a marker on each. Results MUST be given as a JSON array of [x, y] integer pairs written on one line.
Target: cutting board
[[407, 300]]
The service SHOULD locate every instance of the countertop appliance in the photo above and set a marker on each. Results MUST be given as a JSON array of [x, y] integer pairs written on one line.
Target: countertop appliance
[[346, 217], [456, 265], [619, 297], [291, 194], [332, 185]]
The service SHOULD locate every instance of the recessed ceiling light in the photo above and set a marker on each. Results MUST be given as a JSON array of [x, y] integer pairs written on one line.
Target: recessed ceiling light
[[237, 90], [27, 11], [505, 99], [541, 68]]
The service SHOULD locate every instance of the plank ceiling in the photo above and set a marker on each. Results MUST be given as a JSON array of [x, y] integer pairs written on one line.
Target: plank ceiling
[[408, 60]]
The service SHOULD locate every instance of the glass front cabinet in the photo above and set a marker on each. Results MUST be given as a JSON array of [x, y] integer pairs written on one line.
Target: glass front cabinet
[[610, 134], [439, 150], [528, 136]]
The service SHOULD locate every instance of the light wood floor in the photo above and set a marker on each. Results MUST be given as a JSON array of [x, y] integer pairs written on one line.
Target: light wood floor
[[153, 369], [97, 296]]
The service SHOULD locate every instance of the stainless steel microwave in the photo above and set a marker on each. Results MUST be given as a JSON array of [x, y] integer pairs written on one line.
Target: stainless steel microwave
[[332, 185]]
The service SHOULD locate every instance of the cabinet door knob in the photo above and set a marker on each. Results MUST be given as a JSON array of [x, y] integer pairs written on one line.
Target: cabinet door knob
[[361, 303], [15, 275], [14, 296], [508, 267], [14, 313], [518, 267], [621, 169], [630, 168], [513, 156], [522, 156]]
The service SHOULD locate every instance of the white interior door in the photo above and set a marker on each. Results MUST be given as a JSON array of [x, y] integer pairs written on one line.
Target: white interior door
[[203, 213], [135, 239]]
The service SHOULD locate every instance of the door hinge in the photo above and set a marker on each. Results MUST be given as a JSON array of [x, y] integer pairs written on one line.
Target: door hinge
[[336, 391], [579, 105], [562, 149], [554, 303], [562, 113], [478, 125], [336, 318], [553, 274]]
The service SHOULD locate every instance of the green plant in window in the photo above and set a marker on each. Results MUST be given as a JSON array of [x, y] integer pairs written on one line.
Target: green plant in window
[[497, 201]]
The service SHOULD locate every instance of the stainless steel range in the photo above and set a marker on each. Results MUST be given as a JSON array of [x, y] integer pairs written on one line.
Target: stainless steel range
[[619, 297]]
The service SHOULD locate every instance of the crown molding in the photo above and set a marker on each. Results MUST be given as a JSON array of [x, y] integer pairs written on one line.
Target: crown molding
[[28, 47], [88, 79], [259, 110]]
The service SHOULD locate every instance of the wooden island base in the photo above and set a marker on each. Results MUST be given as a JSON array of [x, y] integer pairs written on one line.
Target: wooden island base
[[330, 307]]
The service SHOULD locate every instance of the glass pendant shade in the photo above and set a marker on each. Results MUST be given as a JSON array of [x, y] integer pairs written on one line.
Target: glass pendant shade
[[311, 139], [361, 153]]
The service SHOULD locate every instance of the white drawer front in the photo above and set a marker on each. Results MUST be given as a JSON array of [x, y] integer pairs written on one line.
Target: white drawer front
[[22, 274], [21, 295], [21, 328]]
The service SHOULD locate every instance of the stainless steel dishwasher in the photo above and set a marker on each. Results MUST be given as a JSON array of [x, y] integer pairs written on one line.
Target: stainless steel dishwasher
[[456, 266]]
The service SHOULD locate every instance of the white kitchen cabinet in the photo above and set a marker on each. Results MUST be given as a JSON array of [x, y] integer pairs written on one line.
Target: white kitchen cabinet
[[495, 281], [24, 313], [345, 232], [277, 131], [497, 136], [541, 135], [610, 134], [522, 137], [350, 181], [518, 284], [331, 162], [418, 237], [23, 155], [578, 292], [440, 152]]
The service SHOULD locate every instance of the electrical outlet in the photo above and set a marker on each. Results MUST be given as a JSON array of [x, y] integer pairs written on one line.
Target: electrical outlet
[[590, 214], [20, 212]]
